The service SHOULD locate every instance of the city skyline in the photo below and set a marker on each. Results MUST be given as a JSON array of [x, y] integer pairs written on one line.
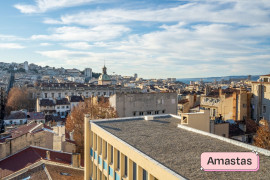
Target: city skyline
[[182, 39]]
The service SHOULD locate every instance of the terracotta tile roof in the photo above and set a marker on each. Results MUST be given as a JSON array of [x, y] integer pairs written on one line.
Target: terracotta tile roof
[[30, 156], [46, 102], [22, 130], [64, 173], [183, 101]]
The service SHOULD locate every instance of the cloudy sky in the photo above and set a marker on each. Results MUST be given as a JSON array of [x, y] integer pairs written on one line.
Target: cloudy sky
[[156, 39]]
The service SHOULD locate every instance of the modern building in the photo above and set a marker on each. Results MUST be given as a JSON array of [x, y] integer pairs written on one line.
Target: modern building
[[157, 147], [138, 104], [25, 64], [261, 98], [104, 79], [88, 73]]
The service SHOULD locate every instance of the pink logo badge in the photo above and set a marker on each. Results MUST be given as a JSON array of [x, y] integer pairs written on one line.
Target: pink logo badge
[[230, 161]]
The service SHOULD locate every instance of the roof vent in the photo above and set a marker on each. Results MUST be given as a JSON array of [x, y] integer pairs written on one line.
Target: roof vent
[[148, 118]]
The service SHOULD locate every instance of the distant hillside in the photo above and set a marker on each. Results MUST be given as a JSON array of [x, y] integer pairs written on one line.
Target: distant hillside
[[211, 79]]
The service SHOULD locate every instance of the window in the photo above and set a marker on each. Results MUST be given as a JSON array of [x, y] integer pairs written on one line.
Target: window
[[156, 112], [145, 175], [264, 88], [185, 120], [264, 109], [58, 107], [118, 159], [52, 95], [141, 113], [163, 111], [67, 107], [21, 121], [214, 112], [105, 150], [149, 112], [244, 105], [104, 93], [126, 166], [98, 93], [100, 140], [224, 135], [134, 113], [63, 107], [45, 95], [111, 154], [59, 95], [134, 171]]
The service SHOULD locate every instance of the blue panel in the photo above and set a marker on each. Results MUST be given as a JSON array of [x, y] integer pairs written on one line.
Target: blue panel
[[95, 155], [110, 171], [116, 177], [99, 160], [91, 152], [105, 166]]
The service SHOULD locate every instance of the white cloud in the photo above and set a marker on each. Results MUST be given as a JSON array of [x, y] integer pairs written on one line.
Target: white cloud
[[78, 45], [4, 37], [11, 46], [197, 11], [41, 6], [98, 33], [45, 44]]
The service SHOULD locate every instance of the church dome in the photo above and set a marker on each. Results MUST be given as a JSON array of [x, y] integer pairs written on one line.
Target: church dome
[[104, 76]]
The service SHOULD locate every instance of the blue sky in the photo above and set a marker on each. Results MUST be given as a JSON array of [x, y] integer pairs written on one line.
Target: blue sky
[[156, 39]]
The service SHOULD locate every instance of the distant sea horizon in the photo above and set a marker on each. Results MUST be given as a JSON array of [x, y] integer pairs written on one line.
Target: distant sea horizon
[[211, 79]]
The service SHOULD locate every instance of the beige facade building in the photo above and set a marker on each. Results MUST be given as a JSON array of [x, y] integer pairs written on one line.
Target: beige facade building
[[37, 135], [231, 104], [201, 121], [139, 104], [157, 147], [261, 98]]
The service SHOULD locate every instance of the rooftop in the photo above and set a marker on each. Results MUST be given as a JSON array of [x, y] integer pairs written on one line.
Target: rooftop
[[179, 148], [28, 156]]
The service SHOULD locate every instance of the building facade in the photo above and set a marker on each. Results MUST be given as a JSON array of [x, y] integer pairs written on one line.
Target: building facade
[[139, 104], [157, 147], [261, 98], [231, 104]]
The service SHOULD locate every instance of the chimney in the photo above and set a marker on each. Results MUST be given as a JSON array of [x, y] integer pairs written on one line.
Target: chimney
[[48, 155], [76, 160], [220, 92]]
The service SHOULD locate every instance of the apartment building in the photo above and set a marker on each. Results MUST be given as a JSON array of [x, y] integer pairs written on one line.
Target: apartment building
[[261, 98], [231, 104], [138, 104], [157, 147]]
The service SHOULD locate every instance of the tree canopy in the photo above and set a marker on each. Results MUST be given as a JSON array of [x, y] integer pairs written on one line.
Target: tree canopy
[[18, 98], [262, 138], [97, 108]]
